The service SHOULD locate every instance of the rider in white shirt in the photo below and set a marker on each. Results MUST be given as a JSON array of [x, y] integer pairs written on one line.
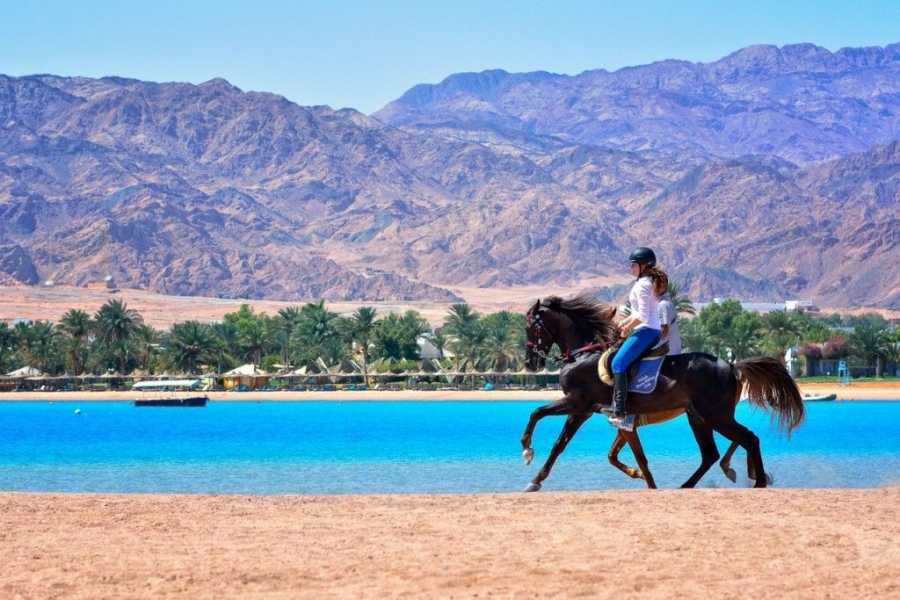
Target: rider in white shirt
[[641, 329]]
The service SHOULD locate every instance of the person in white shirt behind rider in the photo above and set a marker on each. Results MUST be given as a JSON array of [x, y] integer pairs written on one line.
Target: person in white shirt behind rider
[[668, 321]]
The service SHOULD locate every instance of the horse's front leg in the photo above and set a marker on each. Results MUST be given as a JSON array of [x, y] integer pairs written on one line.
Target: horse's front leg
[[568, 432], [563, 406]]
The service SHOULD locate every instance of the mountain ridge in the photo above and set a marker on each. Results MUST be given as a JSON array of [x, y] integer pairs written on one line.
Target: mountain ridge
[[736, 105], [209, 190]]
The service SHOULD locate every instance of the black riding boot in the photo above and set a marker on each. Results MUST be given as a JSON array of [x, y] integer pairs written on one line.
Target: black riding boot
[[619, 397]]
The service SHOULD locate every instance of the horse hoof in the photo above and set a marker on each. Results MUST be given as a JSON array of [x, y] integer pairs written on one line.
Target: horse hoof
[[731, 475], [528, 455], [532, 487]]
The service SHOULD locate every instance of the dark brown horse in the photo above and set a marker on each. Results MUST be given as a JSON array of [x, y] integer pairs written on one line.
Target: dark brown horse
[[703, 386]]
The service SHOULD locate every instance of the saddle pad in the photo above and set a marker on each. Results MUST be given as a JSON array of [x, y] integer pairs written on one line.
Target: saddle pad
[[643, 375]]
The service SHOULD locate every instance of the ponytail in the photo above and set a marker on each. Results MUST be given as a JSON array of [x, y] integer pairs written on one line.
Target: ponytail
[[659, 277]]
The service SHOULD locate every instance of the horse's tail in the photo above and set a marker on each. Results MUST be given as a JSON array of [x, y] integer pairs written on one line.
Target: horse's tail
[[770, 386]]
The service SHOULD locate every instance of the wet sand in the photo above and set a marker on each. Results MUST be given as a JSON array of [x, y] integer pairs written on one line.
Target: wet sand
[[856, 391], [715, 543]]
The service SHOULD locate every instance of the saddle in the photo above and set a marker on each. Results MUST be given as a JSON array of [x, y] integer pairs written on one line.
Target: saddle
[[643, 374]]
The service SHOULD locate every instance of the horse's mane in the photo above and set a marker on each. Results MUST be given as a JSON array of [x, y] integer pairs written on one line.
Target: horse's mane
[[587, 312]]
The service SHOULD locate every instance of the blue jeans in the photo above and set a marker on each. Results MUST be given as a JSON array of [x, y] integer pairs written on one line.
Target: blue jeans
[[632, 347]]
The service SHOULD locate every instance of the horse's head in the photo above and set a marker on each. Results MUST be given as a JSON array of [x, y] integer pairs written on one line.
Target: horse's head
[[568, 323], [544, 325], [538, 339]]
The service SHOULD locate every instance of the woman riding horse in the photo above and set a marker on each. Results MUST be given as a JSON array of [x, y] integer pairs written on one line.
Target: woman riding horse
[[641, 329], [706, 388]]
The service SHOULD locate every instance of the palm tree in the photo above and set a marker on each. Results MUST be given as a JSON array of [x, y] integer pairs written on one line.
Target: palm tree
[[503, 342], [396, 337], [437, 339], [38, 344], [682, 304], [463, 324], [288, 318], [317, 335], [254, 337], [388, 339], [77, 325], [414, 326], [460, 320], [190, 344], [781, 332], [744, 336], [871, 340], [7, 346], [361, 326], [116, 324], [146, 339], [227, 339]]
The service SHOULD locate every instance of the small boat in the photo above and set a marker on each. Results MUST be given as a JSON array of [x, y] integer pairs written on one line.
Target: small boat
[[196, 401], [821, 398], [188, 386]]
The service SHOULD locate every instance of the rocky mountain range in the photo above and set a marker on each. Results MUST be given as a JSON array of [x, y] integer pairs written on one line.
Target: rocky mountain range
[[800, 102], [772, 173]]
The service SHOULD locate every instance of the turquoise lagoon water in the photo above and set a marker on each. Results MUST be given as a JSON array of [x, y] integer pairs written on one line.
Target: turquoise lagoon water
[[401, 447]]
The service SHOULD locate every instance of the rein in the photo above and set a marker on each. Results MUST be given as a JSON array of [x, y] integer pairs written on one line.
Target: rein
[[570, 356]]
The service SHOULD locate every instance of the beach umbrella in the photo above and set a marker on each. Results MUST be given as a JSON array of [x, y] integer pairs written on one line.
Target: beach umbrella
[[248, 370], [25, 372]]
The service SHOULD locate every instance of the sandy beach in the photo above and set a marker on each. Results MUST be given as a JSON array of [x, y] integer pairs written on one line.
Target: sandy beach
[[670, 544], [854, 391]]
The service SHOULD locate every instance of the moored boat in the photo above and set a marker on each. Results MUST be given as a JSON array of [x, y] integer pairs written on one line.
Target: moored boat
[[189, 401], [819, 398]]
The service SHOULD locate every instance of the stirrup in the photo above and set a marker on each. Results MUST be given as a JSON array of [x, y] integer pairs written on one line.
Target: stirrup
[[610, 411], [625, 423]]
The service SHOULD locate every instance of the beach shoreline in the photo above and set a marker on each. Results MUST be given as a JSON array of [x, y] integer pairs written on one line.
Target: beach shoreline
[[855, 391], [774, 543]]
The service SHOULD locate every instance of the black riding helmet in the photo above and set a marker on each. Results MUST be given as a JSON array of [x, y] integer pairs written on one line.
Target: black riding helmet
[[643, 256]]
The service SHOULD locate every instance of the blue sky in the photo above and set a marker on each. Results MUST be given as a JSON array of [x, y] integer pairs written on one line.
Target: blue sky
[[364, 54]]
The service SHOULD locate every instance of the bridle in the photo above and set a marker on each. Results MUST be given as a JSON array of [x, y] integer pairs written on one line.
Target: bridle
[[535, 321], [569, 356]]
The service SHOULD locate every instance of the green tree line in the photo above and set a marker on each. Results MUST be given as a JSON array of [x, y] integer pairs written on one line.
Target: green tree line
[[726, 330], [116, 339]]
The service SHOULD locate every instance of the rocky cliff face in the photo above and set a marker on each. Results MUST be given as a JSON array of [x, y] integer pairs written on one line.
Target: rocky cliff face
[[485, 179]]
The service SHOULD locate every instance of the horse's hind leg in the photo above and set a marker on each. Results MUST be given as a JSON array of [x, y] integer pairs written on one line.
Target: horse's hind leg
[[568, 432], [622, 438], [703, 433], [725, 463], [638, 450], [613, 455], [736, 432]]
